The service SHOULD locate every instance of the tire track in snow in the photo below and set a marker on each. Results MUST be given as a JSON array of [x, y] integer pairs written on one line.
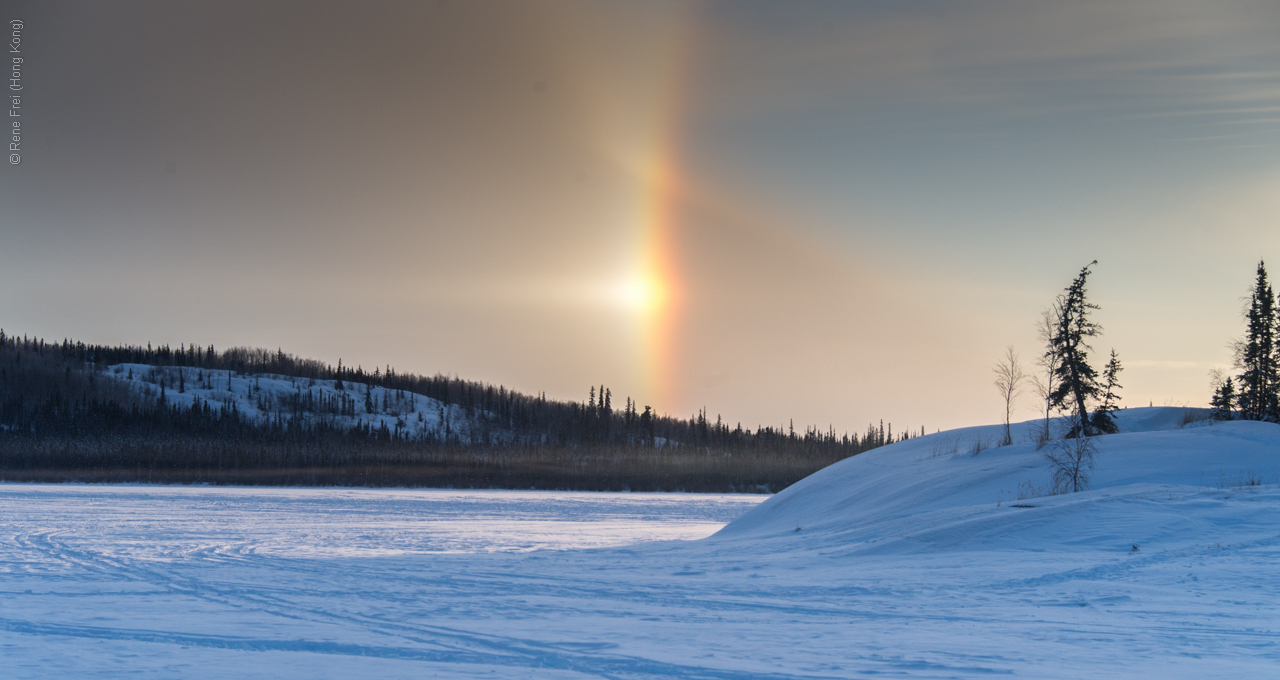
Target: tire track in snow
[[430, 643]]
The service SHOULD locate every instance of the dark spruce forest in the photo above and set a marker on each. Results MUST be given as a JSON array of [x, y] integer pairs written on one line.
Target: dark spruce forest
[[71, 411]]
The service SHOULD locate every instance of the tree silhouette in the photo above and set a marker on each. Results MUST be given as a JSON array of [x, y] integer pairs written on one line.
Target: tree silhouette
[[1077, 380], [1258, 381]]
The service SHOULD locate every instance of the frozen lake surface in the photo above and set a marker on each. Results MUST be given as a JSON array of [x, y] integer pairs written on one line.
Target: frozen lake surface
[[164, 522], [921, 559], [191, 581]]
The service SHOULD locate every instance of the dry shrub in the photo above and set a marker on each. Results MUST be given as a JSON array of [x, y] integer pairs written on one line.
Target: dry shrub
[[1071, 461]]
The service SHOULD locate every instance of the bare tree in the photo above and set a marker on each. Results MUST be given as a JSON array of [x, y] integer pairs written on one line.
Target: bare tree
[[1045, 383], [1216, 379], [1009, 380], [1071, 461]]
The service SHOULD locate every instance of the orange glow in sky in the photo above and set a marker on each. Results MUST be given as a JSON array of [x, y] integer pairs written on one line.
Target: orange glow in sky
[[658, 289]]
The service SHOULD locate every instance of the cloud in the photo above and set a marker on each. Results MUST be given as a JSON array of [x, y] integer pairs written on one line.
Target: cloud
[[1139, 57]]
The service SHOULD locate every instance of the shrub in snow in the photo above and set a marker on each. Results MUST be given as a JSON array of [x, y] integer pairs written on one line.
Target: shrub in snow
[[1071, 461]]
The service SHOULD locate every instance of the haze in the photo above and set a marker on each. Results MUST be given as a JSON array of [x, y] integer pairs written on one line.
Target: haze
[[827, 212]]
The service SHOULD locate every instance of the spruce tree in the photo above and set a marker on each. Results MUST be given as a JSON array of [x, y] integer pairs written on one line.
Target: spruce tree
[[646, 424], [1258, 380], [1077, 380], [1103, 421], [1223, 402]]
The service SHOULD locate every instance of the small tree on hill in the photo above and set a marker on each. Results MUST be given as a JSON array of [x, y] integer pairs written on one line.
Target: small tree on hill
[[1077, 380], [1103, 421], [1071, 461], [1009, 380], [1258, 381], [1044, 386], [1223, 402]]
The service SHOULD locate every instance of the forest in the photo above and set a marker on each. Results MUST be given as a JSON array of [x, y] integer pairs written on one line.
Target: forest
[[72, 411]]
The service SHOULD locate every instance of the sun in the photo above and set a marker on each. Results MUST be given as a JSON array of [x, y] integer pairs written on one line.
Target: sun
[[643, 293]]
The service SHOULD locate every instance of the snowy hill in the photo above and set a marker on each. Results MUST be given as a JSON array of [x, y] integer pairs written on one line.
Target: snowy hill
[[262, 397], [1161, 482], [122, 413]]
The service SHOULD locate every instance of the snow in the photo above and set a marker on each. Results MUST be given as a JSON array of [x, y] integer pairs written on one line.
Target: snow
[[910, 560], [262, 396]]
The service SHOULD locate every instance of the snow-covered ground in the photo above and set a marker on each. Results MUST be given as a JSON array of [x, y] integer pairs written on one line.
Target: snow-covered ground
[[915, 560], [261, 396]]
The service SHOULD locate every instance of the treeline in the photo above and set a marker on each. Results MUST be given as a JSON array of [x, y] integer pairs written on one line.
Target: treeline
[[63, 416]]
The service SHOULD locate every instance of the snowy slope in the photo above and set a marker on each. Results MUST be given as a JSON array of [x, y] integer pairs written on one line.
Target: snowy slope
[[263, 396], [909, 561], [935, 492]]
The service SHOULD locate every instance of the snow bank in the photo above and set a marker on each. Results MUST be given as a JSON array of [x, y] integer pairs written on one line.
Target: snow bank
[[1160, 480]]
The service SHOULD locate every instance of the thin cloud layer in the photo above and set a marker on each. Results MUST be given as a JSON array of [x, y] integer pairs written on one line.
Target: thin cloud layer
[[832, 212]]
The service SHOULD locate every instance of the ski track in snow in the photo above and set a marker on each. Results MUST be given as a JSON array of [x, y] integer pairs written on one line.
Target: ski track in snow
[[901, 562]]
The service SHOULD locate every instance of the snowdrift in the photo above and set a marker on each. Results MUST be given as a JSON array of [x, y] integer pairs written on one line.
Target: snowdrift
[[1166, 479]]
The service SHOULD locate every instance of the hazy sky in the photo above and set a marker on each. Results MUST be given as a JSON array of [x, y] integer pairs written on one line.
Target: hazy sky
[[832, 212]]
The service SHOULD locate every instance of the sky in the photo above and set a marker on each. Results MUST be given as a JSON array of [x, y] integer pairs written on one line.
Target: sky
[[826, 212]]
